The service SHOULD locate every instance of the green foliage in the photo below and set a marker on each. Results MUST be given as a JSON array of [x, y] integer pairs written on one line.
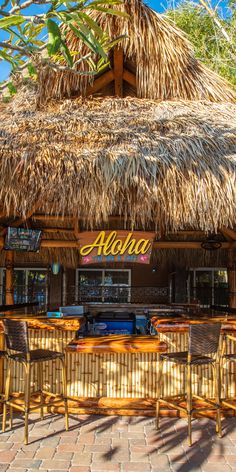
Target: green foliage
[[27, 35], [210, 45]]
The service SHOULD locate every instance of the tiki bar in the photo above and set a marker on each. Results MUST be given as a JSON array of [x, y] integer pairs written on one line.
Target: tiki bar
[[118, 233]]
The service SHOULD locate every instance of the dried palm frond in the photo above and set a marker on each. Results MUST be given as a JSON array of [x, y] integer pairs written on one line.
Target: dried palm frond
[[158, 53], [167, 164]]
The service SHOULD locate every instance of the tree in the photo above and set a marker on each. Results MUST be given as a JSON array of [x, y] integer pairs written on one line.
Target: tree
[[27, 34], [212, 34]]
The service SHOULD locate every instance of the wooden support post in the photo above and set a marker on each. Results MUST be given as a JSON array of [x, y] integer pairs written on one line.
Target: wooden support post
[[232, 277], [118, 71], [9, 277]]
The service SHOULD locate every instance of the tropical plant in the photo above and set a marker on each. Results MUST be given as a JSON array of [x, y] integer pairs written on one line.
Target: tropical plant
[[24, 35], [212, 32]]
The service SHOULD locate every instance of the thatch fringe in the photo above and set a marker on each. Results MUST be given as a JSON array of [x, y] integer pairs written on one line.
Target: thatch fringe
[[168, 164], [164, 61]]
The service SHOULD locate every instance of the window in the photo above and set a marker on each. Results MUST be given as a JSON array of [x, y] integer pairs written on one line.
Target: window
[[103, 285], [29, 285], [209, 286]]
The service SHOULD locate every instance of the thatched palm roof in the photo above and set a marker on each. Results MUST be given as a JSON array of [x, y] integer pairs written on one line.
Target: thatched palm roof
[[167, 164], [155, 51]]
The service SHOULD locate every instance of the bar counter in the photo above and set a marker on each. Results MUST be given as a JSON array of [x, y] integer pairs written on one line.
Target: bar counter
[[181, 324], [50, 324], [108, 377]]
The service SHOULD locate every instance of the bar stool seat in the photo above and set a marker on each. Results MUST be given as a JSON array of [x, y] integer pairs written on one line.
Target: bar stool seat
[[203, 342], [227, 358], [182, 358], [37, 355], [17, 340]]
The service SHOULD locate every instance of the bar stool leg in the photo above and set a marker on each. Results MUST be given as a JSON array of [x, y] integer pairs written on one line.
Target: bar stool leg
[[189, 402], [64, 389], [27, 400], [7, 394], [40, 383], [217, 383], [159, 387], [11, 417]]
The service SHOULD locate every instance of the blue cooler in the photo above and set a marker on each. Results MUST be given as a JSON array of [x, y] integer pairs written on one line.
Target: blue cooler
[[114, 323]]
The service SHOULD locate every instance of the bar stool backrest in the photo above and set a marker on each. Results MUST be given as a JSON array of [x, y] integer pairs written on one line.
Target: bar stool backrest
[[204, 338], [16, 334]]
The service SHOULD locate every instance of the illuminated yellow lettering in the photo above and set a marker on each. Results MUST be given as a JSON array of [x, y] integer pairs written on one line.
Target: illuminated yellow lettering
[[116, 247], [111, 246], [142, 246], [99, 243], [109, 243], [129, 245]]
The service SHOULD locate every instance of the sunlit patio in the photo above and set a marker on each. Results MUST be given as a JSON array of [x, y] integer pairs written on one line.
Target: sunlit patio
[[118, 444]]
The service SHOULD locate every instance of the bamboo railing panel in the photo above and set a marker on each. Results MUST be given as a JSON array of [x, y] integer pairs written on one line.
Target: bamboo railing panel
[[119, 375]]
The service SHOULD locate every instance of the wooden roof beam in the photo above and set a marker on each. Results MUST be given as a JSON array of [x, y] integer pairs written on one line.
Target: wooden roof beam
[[130, 78], [73, 244], [101, 82], [118, 58], [228, 233]]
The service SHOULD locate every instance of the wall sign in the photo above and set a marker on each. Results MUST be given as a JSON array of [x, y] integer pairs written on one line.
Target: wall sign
[[115, 246]]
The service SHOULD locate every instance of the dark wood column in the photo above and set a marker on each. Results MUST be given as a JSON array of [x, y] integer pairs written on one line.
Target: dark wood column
[[9, 263], [232, 277]]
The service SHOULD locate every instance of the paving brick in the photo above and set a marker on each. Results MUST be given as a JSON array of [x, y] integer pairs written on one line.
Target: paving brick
[[52, 441], [20, 454], [83, 458], [79, 468], [137, 441], [136, 467], [67, 440], [181, 458], [97, 448], [5, 446], [55, 465], [86, 438], [45, 453], [65, 456], [111, 456], [139, 457], [7, 456], [142, 449], [71, 447], [216, 468], [104, 467], [26, 463], [212, 458], [159, 460]]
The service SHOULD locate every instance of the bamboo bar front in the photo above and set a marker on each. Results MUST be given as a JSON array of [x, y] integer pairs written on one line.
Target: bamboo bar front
[[111, 381]]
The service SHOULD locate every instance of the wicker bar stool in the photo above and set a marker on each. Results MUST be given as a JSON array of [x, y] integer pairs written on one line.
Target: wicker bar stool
[[17, 340], [226, 358], [203, 341]]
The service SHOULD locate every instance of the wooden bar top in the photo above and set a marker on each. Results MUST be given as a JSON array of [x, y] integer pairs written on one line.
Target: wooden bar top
[[49, 324], [117, 343], [181, 325]]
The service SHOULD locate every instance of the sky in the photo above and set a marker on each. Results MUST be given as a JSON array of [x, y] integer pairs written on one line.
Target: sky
[[158, 5]]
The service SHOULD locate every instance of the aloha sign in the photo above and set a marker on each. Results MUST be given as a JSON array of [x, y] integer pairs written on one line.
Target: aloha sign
[[115, 246]]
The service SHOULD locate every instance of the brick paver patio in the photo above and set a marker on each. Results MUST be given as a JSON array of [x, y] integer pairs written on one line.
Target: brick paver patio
[[118, 444]]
